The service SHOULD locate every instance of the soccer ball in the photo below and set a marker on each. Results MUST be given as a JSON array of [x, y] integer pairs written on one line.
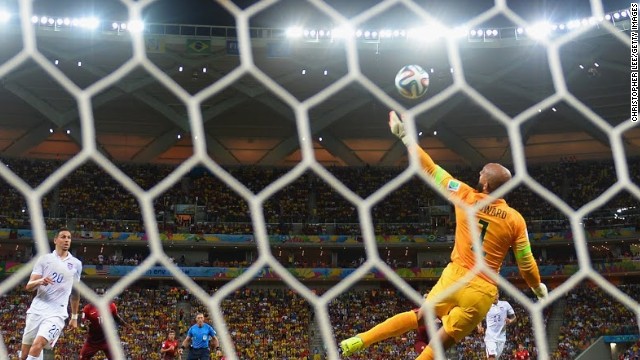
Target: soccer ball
[[412, 81]]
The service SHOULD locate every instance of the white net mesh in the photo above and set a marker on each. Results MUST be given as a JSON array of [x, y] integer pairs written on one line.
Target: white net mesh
[[89, 152]]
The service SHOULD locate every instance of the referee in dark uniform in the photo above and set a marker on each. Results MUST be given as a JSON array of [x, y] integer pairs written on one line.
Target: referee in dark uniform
[[199, 336]]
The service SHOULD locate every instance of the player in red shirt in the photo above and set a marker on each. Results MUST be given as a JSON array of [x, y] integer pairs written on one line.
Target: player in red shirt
[[96, 340], [170, 347], [522, 353]]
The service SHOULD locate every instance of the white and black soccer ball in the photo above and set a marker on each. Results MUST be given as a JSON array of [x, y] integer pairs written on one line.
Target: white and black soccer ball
[[412, 81]]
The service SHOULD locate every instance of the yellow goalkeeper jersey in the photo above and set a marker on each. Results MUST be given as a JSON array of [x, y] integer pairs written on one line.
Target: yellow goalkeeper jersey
[[500, 227]]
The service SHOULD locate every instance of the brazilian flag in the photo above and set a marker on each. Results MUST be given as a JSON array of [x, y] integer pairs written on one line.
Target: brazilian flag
[[198, 46]]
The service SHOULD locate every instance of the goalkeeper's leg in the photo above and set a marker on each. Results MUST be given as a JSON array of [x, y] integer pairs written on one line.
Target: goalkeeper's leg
[[393, 326]]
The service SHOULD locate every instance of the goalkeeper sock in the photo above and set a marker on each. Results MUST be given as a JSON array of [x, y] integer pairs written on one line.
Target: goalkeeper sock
[[393, 326]]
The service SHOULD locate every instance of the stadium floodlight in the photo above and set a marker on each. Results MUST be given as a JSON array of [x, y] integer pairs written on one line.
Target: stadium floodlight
[[43, 20], [51, 21], [90, 23], [66, 21], [460, 32], [180, 68], [623, 13], [607, 17], [358, 33], [35, 19], [294, 32], [79, 63], [115, 26], [135, 26], [59, 22], [616, 15], [573, 24], [5, 16], [539, 30], [204, 70], [50, 131], [56, 61]]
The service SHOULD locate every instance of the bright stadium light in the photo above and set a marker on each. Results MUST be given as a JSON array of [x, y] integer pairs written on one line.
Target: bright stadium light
[[89, 22], [35, 19], [43, 20], [66, 21], [294, 32], [539, 30], [135, 26], [343, 32], [114, 26]]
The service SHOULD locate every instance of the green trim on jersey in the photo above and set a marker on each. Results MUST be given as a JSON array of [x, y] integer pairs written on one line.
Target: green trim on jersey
[[523, 252], [439, 174]]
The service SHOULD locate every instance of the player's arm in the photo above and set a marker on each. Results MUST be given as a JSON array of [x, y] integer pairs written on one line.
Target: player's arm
[[526, 261], [116, 316], [215, 343], [75, 305], [479, 328], [440, 176], [36, 280], [75, 297], [511, 315], [186, 342], [164, 348]]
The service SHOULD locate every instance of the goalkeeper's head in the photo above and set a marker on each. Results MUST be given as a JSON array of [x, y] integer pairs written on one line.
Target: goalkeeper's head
[[492, 176]]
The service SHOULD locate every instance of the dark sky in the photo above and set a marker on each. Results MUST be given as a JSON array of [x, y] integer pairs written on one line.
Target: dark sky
[[288, 12]]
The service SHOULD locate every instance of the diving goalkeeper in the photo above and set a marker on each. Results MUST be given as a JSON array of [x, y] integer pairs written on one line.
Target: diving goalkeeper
[[501, 228]]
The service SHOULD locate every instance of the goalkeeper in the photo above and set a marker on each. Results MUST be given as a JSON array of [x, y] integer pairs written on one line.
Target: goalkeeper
[[500, 226]]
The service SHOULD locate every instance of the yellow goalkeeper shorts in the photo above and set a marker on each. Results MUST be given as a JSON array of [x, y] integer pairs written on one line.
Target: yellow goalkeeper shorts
[[465, 308]]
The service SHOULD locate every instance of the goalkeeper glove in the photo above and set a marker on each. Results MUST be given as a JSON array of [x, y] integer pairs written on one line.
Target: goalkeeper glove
[[397, 128], [540, 291]]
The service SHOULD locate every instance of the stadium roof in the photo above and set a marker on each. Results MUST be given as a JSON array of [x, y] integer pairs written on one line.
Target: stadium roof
[[139, 119]]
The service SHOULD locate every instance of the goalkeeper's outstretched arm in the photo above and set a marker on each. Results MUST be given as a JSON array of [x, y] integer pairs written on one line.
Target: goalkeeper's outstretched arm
[[428, 165]]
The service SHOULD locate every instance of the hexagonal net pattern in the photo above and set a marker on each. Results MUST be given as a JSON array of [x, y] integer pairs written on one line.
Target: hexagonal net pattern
[[320, 303]]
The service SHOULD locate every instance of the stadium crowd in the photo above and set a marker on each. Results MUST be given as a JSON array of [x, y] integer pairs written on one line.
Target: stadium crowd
[[263, 321], [584, 322], [92, 196]]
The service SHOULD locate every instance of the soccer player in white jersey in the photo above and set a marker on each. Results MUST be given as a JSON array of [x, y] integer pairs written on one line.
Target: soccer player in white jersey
[[53, 276], [499, 316]]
